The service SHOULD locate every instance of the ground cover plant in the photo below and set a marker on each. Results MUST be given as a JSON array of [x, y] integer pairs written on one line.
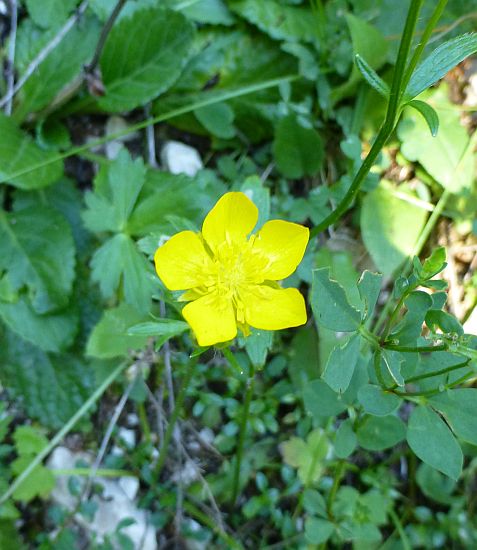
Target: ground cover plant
[[237, 290]]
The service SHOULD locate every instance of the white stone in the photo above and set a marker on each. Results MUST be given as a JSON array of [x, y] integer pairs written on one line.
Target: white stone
[[113, 505], [3, 8], [114, 125], [128, 437], [179, 158]]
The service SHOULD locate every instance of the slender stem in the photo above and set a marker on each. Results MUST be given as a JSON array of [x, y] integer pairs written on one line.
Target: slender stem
[[104, 35], [61, 433], [172, 422], [436, 15], [242, 433], [417, 349], [389, 122], [45, 52], [334, 488], [210, 99], [435, 391], [11, 55], [437, 372]]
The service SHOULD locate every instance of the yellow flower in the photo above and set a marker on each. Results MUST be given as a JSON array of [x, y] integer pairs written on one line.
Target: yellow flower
[[229, 278]]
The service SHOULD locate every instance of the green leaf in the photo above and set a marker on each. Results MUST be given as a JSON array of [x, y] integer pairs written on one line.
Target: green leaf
[[341, 364], [213, 12], [260, 195], [257, 346], [59, 69], [50, 13], [345, 440], [110, 336], [429, 114], [298, 151], [434, 485], [377, 433], [116, 191], [369, 286], [390, 228], [392, 361], [51, 332], [434, 264], [9, 536], [52, 387], [369, 43], [444, 58], [28, 441], [409, 329], [291, 23], [163, 329], [432, 441], [318, 530], [447, 323], [18, 152], [330, 304], [371, 77], [41, 481], [38, 253], [308, 456], [314, 502], [143, 56], [377, 402], [118, 261], [448, 158], [217, 119], [459, 408], [321, 401]]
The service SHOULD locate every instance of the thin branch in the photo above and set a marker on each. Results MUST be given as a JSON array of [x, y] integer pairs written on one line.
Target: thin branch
[[45, 52], [151, 140], [104, 35], [11, 55]]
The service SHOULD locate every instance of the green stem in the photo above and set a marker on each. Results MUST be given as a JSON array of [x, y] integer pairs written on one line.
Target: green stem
[[210, 99], [417, 349], [436, 15], [172, 423], [340, 469], [389, 122], [430, 393], [61, 433], [242, 433], [437, 372]]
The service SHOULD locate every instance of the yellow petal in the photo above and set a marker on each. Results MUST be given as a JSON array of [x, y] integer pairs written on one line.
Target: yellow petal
[[231, 219], [212, 319], [273, 309], [283, 244], [182, 262]]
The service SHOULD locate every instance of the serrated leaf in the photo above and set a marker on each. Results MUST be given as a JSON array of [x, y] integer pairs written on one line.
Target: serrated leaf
[[116, 192], [110, 336], [60, 67], [118, 261], [18, 152], [298, 151], [291, 23], [330, 304], [308, 456], [28, 440], [143, 56], [38, 253], [369, 286], [444, 58], [50, 13], [341, 364], [390, 228], [51, 332], [371, 77], [459, 408], [41, 481], [51, 387], [429, 114], [432, 441]]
